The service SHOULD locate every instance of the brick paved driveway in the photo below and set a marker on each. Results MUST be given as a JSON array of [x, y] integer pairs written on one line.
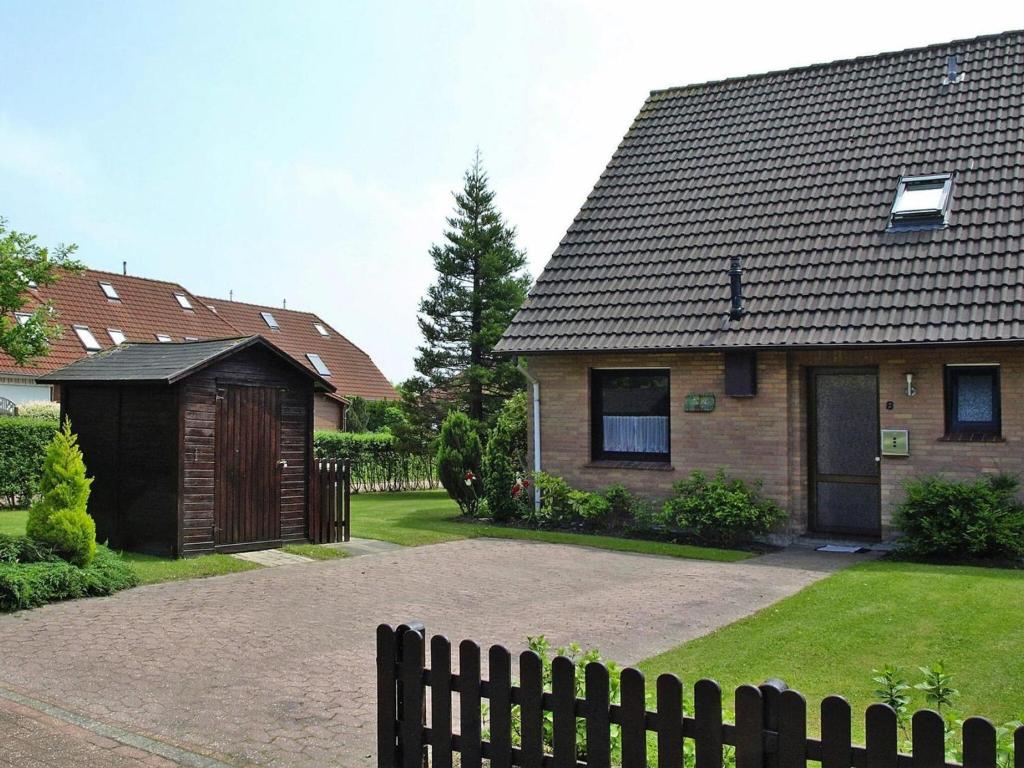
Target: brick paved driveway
[[275, 667]]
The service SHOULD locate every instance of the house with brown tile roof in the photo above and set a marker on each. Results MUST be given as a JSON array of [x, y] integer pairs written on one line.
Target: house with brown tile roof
[[812, 278], [317, 345], [99, 310]]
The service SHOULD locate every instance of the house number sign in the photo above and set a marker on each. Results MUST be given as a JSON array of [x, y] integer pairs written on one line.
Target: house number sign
[[699, 402]]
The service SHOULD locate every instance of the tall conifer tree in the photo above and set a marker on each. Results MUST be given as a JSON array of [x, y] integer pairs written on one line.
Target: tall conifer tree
[[481, 282]]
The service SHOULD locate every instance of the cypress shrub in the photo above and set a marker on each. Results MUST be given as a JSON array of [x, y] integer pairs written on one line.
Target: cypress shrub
[[458, 461], [23, 444], [59, 519], [504, 462]]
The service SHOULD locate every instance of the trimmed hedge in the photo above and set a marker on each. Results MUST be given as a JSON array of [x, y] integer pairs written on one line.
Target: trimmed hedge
[[23, 443], [31, 575], [377, 463]]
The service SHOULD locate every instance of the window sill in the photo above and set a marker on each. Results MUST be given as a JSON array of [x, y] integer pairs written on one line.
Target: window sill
[[661, 466], [972, 438]]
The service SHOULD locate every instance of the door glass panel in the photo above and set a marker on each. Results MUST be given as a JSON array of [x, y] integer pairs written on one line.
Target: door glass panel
[[847, 424], [849, 507]]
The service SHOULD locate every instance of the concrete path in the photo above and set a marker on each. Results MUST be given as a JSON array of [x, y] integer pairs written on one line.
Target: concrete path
[[270, 558], [276, 666], [356, 547]]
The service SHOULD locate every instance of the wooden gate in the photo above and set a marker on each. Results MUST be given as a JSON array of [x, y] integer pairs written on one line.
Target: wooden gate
[[329, 492], [247, 507]]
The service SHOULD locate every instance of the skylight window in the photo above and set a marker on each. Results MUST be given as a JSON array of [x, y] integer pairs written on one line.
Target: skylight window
[[921, 200], [163, 338], [88, 340], [270, 320], [191, 338], [318, 364], [109, 291], [183, 301], [22, 317], [116, 335], [320, 329]]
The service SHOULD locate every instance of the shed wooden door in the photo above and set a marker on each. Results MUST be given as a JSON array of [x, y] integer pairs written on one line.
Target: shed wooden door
[[247, 493], [844, 451]]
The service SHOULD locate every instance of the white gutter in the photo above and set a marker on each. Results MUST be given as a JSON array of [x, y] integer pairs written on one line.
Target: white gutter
[[536, 433]]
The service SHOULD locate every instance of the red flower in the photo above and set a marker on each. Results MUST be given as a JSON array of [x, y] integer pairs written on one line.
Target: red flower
[[526, 483], [516, 490]]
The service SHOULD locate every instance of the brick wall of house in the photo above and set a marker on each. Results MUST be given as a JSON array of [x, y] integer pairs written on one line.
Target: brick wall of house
[[765, 437]]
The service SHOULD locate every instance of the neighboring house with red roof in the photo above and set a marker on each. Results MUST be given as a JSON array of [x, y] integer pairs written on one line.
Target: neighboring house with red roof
[[317, 345], [99, 310]]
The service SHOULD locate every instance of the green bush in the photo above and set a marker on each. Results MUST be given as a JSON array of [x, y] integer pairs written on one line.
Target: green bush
[[378, 463], [32, 583], [23, 444], [504, 462], [458, 461], [957, 519], [59, 519], [555, 501], [720, 509], [22, 549], [40, 409]]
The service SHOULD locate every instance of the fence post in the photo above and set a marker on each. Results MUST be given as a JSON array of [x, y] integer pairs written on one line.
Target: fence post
[[346, 507], [387, 697], [771, 702], [402, 706]]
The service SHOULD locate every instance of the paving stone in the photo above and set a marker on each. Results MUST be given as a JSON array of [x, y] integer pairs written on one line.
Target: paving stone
[[275, 666]]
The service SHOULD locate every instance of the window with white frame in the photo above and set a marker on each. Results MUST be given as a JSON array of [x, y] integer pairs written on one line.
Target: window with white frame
[[921, 201], [163, 338], [116, 335], [321, 329], [109, 291], [318, 364], [183, 301], [85, 336], [22, 317], [270, 320]]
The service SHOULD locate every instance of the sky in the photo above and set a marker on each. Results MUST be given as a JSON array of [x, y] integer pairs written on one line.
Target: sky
[[307, 151]]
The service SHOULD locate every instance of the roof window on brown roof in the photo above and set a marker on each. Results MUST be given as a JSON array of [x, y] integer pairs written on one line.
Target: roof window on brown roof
[[270, 320], [921, 201], [116, 335], [109, 291], [22, 317], [88, 340], [318, 364], [183, 301], [163, 338], [321, 329]]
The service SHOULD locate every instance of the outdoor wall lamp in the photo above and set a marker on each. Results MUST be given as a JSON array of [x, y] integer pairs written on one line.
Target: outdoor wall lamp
[[911, 389]]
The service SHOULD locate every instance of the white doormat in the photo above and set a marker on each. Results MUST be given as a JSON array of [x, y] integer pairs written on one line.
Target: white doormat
[[847, 550]]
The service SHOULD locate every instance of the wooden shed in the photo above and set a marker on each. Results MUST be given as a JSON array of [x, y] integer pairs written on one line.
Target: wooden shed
[[195, 447]]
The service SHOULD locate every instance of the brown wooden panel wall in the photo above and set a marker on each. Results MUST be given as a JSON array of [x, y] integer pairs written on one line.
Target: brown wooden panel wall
[[254, 367]]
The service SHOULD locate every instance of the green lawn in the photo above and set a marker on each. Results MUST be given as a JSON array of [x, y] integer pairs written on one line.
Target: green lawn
[[12, 521], [827, 638], [428, 517], [314, 551]]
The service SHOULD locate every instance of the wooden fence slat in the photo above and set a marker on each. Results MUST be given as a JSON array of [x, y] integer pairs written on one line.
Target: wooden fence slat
[[928, 732], [469, 703], [749, 738], [386, 692], [346, 507], [531, 716], [563, 712], [1018, 747], [440, 702], [411, 729], [836, 722], [979, 743], [882, 736], [792, 729], [599, 753], [670, 721], [707, 714], [634, 735], [500, 666]]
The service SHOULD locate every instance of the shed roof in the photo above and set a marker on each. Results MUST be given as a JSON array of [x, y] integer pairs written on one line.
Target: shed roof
[[796, 172], [147, 363]]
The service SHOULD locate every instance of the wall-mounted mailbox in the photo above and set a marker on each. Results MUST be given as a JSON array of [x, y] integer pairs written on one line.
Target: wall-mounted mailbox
[[895, 442], [741, 374]]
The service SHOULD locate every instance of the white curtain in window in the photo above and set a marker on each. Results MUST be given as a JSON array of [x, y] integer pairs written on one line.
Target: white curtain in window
[[635, 434]]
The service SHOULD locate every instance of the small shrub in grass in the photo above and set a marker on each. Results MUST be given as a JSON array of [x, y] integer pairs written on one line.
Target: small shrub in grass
[[555, 504], [720, 509], [958, 519], [504, 462], [33, 583], [458, 461], [59, 519]]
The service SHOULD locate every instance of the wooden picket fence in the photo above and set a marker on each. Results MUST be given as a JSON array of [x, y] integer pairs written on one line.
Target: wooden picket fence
[[330, 501], [770, 729]]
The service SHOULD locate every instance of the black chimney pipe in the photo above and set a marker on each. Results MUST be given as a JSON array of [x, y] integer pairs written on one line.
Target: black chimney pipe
[[735, 288]]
